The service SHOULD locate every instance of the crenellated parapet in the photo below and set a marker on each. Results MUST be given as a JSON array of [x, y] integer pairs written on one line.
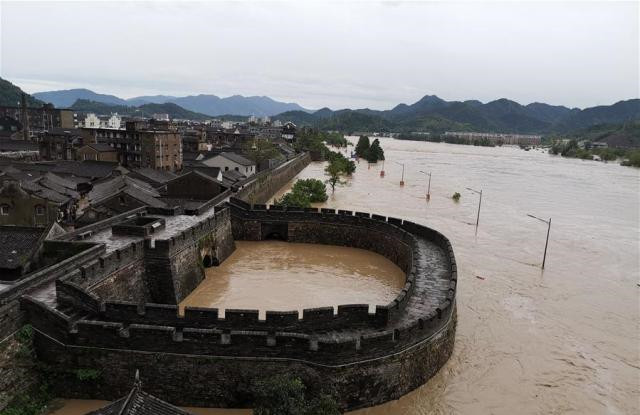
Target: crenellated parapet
[[381, 350]]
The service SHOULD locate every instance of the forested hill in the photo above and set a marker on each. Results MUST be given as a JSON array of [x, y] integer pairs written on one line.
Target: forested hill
[[146, 110], [437, 115], [10, 95]]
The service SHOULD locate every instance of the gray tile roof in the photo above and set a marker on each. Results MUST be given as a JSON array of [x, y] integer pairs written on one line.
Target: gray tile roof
[[106, 189], [139, 402], [18, 244], [237, 158], [154, 175]]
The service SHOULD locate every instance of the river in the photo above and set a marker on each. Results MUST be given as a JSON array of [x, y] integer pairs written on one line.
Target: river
[[562, 340]]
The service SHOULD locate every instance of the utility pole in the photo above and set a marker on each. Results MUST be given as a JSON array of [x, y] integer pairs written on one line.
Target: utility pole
[[382, 171], [428, 186], [546, 244], [479, 192]]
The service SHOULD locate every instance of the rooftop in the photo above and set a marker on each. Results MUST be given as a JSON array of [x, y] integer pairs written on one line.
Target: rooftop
[[18, 244]]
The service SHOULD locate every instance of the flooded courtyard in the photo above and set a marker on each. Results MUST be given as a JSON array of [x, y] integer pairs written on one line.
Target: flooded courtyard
[[282, 276], [562, 340]]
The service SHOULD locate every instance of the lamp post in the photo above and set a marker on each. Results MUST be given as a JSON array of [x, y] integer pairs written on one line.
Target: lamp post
[[479, 192], [402, 179], [546, 244], [382, 171], [428, 186]]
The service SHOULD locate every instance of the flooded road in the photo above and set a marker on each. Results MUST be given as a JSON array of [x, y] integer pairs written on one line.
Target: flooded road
[[562, 341], [281, 276]]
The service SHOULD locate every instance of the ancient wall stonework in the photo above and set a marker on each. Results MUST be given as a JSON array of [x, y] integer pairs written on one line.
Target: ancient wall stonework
[[201, 359], [262, 186]]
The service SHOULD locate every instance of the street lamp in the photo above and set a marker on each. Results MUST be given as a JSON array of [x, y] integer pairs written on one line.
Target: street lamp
[[479, 204], [428, 186], [548, 222], [382, 171], [402, 179]]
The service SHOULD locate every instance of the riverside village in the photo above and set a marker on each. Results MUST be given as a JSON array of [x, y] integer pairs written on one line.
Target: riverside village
[[191, 254]]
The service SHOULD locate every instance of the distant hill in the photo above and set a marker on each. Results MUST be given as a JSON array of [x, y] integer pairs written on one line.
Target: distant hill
[[436, 115], [10, 95], [430, 113], [66, 98], [615, 135], [205, 104], [146, 110]]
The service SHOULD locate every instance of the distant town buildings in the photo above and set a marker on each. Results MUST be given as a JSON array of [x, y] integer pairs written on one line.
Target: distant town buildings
[[143, 144], [93, 121], [34, 121]]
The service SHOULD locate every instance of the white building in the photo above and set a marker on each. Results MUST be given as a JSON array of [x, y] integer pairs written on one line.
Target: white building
[[91, 121], [253, 119], [114, 121], [232, 161], [161, 117]]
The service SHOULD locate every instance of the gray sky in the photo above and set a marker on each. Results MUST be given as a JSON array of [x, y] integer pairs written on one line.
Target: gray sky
[[331, 54]]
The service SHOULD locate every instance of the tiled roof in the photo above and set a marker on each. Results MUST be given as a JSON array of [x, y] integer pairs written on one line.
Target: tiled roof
[[88, 168], [237, 158], [18, 244], [154, 175], [36, 189], [138, 402], [105, 190]]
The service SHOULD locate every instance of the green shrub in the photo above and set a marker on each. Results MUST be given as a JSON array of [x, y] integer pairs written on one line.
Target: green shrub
[[285, 395], [456, 197]]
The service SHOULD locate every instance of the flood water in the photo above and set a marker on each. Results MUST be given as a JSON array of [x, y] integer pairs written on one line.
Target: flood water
[[282, 276], [563, 340]]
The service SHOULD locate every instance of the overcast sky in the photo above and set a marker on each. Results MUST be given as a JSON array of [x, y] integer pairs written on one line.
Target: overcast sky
[[320, 54]]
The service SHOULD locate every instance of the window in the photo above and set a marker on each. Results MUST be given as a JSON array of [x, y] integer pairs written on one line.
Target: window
[[4, 210], [226, 168], [237, 169], [39, 210]]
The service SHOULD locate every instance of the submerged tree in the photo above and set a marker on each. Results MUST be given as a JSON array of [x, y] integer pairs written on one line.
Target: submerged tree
[[335, 170], [363, 146], [375, 152]]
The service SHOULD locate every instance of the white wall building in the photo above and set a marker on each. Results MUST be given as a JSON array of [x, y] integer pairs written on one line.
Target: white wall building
[[232, 161], [91, 121]]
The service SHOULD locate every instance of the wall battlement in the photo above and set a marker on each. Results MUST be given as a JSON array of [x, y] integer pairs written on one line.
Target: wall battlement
[[207, 356]]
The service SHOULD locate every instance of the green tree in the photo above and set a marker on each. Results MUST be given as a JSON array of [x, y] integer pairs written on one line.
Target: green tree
[[313, 188], [260, 150], [285, 395], [363, 146], [375, 152], [335, 170]]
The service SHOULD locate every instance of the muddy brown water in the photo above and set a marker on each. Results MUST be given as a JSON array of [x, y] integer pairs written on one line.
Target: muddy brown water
[[282, 276], [563, 340]]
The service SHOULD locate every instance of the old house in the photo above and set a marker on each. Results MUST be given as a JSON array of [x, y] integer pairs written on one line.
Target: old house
[[97, 152], [232, 161], [27, 203], [21, 249]]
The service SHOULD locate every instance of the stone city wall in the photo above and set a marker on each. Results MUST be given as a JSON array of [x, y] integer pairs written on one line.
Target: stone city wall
[[261, 187]]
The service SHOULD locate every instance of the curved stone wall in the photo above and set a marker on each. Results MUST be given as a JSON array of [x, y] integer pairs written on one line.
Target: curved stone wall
[[202, 359]]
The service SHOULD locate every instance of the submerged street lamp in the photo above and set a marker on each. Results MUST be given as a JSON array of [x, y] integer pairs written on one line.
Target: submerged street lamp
[[479, 204], [382, 171], [428, 186], [548, 222], [402, 179]]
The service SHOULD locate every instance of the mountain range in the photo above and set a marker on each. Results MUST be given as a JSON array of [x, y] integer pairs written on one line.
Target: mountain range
[[434, 114], [430, 113], [211, 105]]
